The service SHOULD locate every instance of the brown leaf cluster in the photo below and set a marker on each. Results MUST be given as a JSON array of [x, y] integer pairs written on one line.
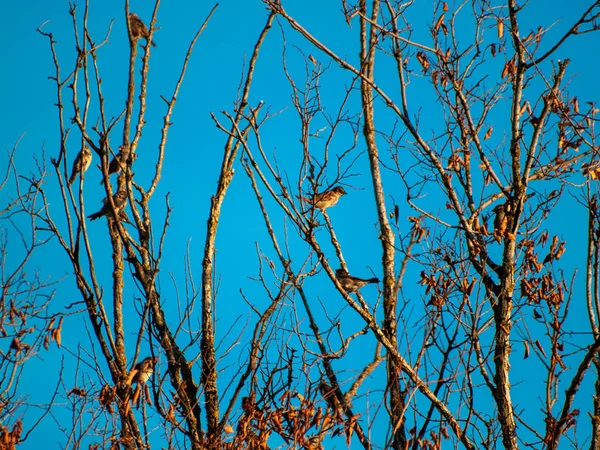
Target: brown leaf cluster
[[107, 397], [419, 231], [53, 333], [302, 425], [433, 442], [441, 286], [9, 439]]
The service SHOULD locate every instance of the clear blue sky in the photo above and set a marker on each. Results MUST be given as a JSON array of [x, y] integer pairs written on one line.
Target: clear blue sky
[[195, 145]]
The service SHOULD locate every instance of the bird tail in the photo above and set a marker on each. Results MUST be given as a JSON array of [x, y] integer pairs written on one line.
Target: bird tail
[[73, 177], [373, 280], [152, 44], [95, 216]]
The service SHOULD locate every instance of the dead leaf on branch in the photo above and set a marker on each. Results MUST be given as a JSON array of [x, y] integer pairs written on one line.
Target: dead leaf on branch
[[424, 61], [439, 23]]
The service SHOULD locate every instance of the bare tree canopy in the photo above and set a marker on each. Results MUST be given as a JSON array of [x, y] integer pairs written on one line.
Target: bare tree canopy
[[310, 225]]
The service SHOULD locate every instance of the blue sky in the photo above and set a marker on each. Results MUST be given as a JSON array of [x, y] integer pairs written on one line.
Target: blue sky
[[194, 148]]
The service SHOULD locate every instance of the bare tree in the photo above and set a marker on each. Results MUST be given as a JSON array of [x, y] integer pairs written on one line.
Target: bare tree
[[464, 129], [27, 326]]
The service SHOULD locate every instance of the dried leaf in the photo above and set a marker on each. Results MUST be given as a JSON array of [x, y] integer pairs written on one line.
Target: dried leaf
[[560, 251], [445, 7], [77, 391], [423, 60], [524, 108], [439, 23], [500, 28], [540, 348], [488, 134], [526, 355]]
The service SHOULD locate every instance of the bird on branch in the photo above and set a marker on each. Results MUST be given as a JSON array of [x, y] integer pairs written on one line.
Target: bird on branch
[[325, 199], [119, 161], [501, 222], [119, 200], [350, 283], [81, 164], [140, 375], [138, 29]]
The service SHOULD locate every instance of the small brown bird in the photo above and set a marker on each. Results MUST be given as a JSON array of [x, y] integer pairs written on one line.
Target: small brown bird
[[501, 222], [119, 199], [143, 370], [325, 199], [350, 283], [138, 28], [119, 161], [140, 375], [81, 164]]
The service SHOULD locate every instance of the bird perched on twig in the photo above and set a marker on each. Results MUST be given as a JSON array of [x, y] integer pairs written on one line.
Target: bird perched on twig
[[138, 29], [81, 163], [119, 199], [501, 222], [325, 199], [119, 161], [143, 370], [140, 375], [350, 283]]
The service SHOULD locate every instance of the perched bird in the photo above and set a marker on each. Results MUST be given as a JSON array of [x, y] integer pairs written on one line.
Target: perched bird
[[140, 375], [325, 199], [119, 199], [501, 222], [143, 370], [350, 283], [81, 164], [138, 28], [119, 161]]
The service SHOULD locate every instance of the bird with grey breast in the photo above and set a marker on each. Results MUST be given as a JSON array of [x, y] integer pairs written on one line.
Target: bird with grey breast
[[138, 28], [119, 160], [326, 199], [81, 163], [119, 200], [350, 283]]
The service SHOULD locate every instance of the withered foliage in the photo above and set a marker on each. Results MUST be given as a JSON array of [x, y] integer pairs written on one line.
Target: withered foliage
[[431, 152]]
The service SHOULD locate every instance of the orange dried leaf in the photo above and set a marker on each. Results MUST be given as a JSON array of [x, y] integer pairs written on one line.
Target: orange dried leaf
[[526, 355], [439, 23], [488, 134], [471, 286], [540, 348], [560, 251], [445, 7], [500, 29], [423, 60], [524, 108]]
